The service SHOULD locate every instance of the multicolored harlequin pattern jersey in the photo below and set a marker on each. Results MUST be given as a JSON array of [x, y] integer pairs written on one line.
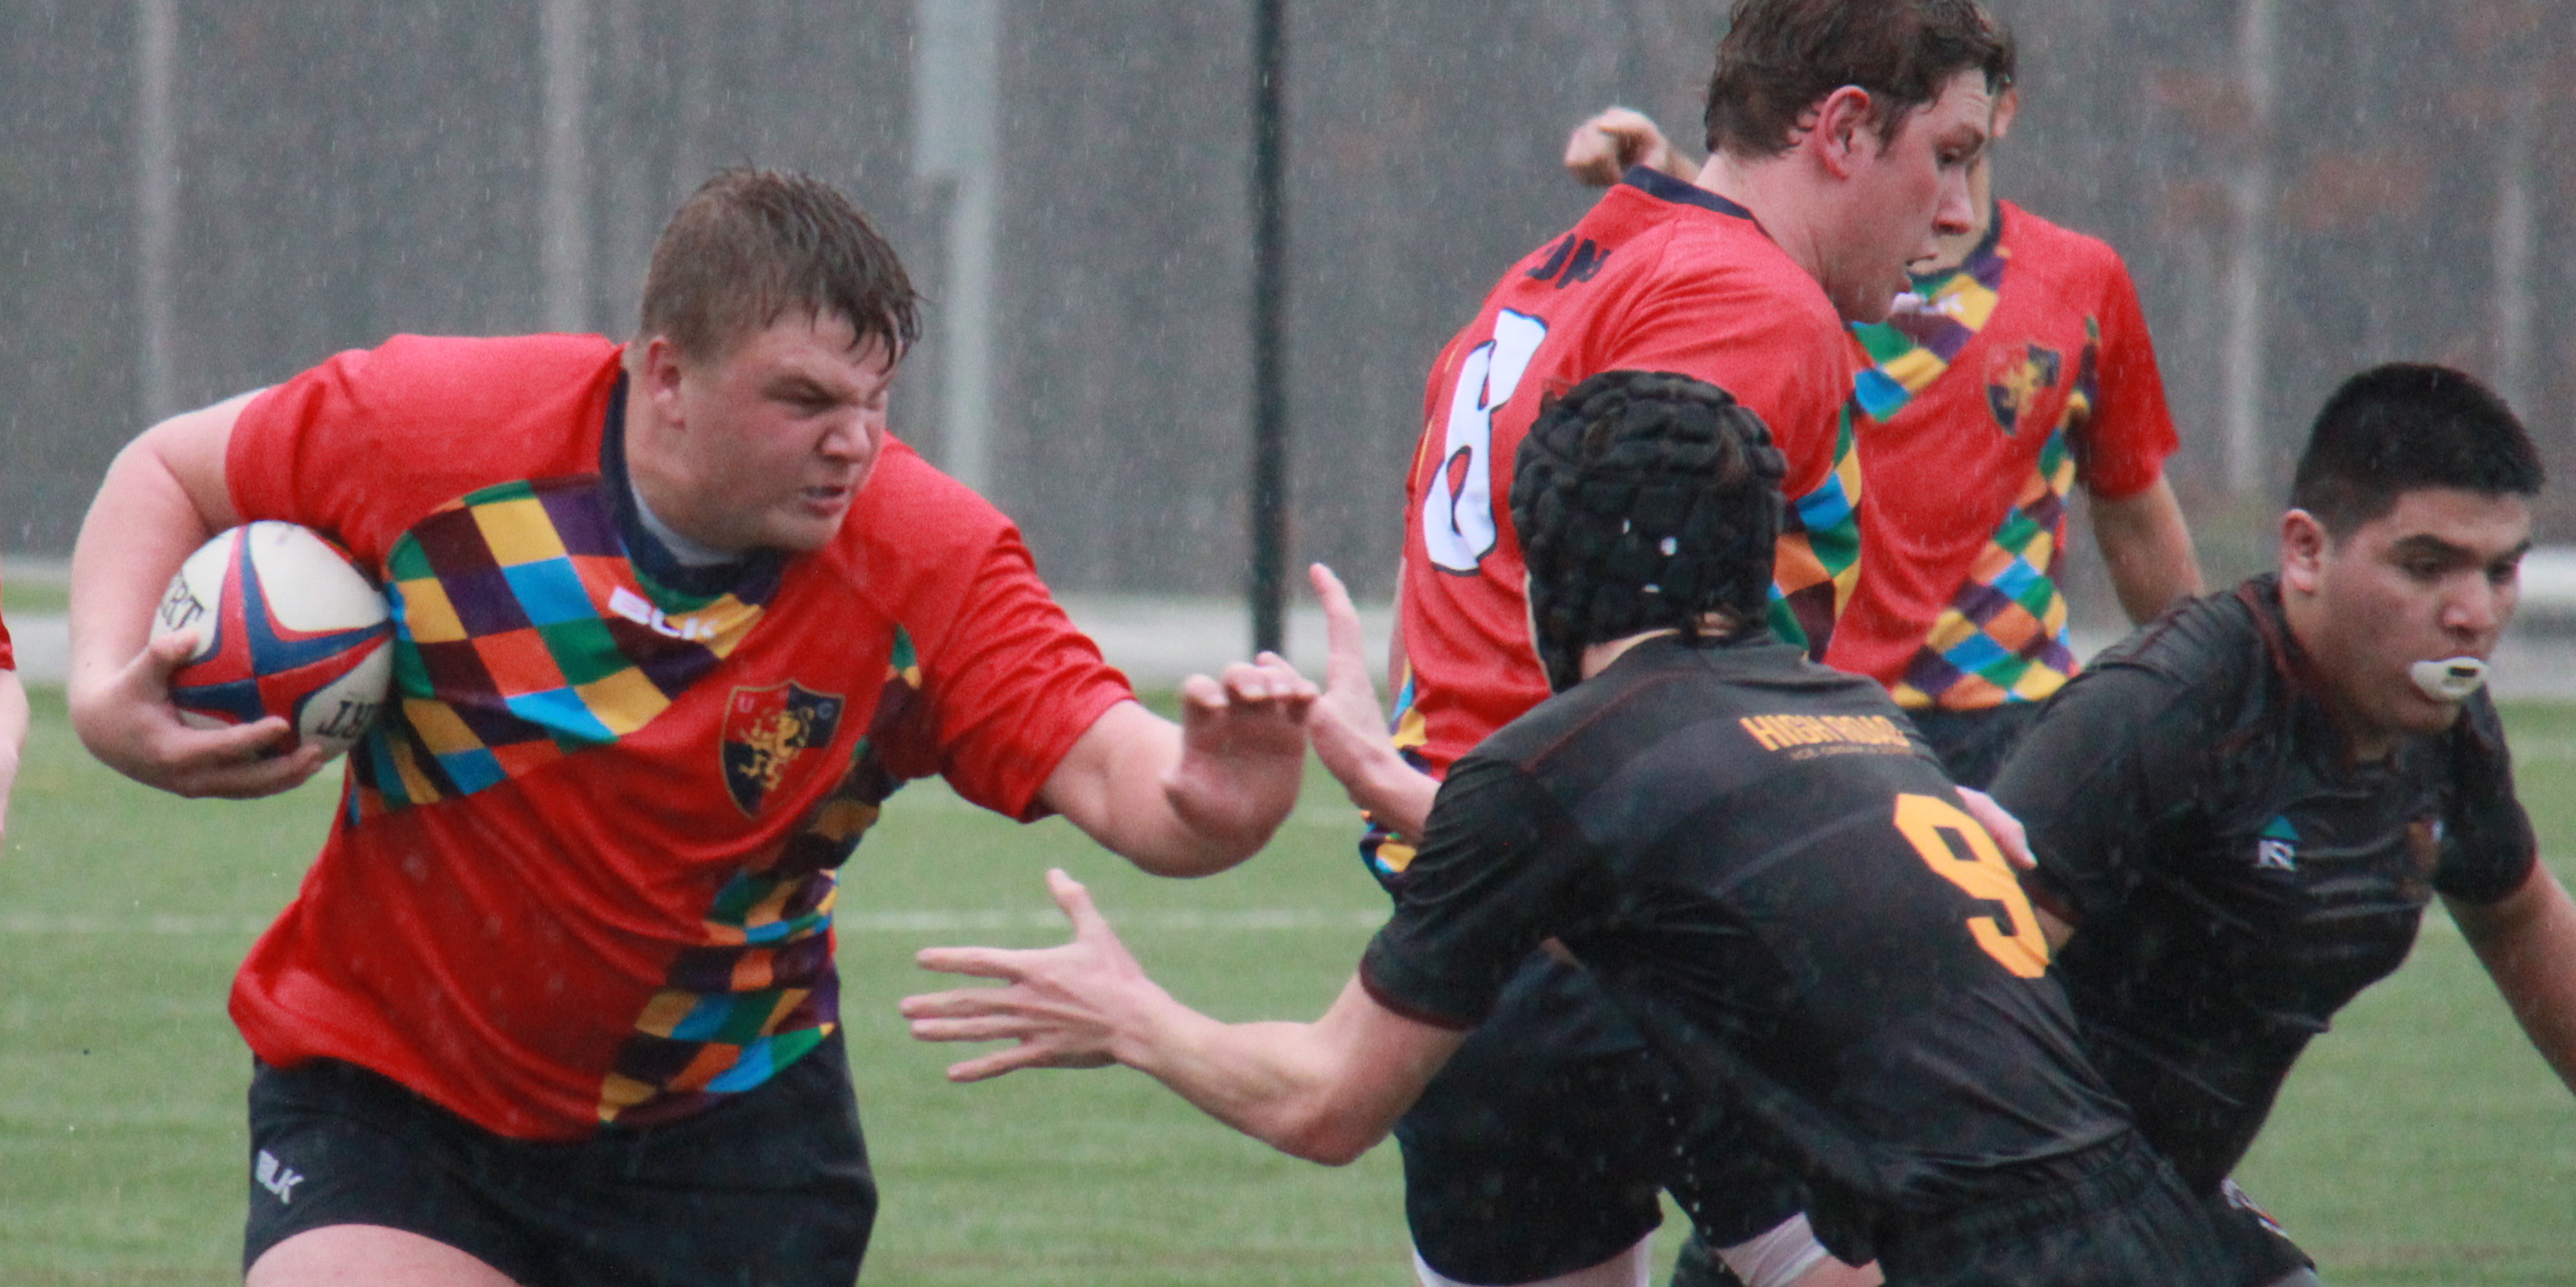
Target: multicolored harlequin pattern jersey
[[584, 871], [1991, 392], [1660, 276]]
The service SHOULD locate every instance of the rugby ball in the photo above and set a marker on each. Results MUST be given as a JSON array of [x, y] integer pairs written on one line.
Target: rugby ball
[[286, 625]]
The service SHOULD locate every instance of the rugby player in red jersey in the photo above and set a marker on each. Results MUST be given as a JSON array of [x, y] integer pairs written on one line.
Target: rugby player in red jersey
[[2015, 368], [556, 1004]]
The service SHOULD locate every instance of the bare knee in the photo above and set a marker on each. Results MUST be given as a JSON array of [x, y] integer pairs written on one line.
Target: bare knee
[[344, 1255]]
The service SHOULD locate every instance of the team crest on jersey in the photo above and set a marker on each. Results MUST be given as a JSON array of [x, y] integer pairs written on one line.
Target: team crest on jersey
[[2017, 380], [767, 731]]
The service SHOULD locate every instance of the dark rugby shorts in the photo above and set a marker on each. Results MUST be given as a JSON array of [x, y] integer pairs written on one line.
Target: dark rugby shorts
[[769, 1189], [2122, 1220]]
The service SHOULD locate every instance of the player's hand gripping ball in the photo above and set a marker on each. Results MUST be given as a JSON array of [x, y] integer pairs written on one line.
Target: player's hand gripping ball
[[286, 625]]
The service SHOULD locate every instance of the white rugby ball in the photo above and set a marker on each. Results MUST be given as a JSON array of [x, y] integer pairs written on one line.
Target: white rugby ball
[[286, 625]]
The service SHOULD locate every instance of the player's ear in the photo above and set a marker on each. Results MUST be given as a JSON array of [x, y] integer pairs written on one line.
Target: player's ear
[[656, 374], [2304, 541], [1843, 135]]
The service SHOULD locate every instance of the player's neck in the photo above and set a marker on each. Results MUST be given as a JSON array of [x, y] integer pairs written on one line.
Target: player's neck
[[663, 488], [1598, 657], [2365, 740]]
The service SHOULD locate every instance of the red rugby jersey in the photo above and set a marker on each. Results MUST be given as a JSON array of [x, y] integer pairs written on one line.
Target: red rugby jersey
[[1993, 390], [8, 652], [583, 871], [1661, 275]]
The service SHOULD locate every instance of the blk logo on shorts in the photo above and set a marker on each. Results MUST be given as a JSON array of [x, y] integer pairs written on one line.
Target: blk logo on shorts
[[767, 730], [277, 1177]]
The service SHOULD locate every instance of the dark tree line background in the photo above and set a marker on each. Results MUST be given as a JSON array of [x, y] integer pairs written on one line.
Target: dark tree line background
[[2387, 173]]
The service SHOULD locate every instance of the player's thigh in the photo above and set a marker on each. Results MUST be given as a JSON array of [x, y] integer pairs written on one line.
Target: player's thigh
[[336, 1255]]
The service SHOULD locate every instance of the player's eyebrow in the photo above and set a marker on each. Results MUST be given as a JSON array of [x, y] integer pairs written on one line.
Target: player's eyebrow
[[2427, 545], [804, 387]]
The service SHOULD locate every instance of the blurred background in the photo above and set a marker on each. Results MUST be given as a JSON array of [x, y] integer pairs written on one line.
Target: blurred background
[[197, 198]]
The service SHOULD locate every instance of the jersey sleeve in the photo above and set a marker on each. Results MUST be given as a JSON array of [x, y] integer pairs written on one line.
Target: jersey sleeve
[[307, 451], [1501, 869], [1016, 685], [8, 651], [2111, 760], [2488, 848], [2130, 433]]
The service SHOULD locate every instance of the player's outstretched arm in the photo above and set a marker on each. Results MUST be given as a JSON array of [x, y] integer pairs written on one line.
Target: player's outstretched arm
[[2527, 940], [1602, 148], [1197, 798], [1348, 727], [1325, 1091], [162, 498], [2147, 547]]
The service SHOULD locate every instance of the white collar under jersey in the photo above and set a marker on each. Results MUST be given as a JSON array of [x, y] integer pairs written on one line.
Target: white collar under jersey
[[690, 553]]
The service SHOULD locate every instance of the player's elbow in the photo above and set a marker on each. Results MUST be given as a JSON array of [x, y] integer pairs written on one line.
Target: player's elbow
[[1320, 1133]]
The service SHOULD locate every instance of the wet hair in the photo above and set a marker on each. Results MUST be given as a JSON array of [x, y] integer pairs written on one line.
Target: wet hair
[[750, 245], [1644, 501], [2404, 427], [1781, 57]]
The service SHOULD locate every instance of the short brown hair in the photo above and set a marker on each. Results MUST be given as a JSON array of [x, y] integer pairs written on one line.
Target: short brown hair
[[1781, 57], [749, 245]]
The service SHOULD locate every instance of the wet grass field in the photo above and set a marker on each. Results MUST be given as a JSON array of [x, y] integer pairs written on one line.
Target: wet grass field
[[2421, 1143]]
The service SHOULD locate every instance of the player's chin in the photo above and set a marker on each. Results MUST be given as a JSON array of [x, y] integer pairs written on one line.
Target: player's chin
[[806, 526]]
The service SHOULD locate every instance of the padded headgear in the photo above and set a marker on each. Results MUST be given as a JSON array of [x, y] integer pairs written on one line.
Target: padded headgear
[[1644, 501]]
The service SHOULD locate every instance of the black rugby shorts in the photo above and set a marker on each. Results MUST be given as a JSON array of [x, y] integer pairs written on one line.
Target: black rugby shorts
[[769, 1189], [1541, 1146]]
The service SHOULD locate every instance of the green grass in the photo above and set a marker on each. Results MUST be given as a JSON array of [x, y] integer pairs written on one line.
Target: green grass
[[2421, 1143], [26, 597]]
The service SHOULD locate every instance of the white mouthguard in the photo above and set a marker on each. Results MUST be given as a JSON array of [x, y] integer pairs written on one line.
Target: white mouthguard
[[2450, 680]]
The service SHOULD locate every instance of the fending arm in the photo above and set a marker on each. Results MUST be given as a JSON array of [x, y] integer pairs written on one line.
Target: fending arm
[[2527, 941], [1195, 798], [1326, 1091]]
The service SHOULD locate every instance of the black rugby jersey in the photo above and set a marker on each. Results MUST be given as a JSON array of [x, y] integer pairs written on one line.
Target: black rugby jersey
[[1761, 862], [2233, 876]]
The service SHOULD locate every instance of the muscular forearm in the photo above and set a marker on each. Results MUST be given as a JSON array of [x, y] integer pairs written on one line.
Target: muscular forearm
[[2147, 547], [1143, 789], [1268, 1080], [1325, 1091], [2528, 945]]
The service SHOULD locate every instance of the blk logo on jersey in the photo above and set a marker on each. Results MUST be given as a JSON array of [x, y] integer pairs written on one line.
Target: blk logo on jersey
[[1575, 259], [2018, 379], [767, 731], [2278, 847]]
